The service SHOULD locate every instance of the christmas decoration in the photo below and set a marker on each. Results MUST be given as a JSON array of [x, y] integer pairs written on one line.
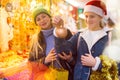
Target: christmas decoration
[[109, 70]]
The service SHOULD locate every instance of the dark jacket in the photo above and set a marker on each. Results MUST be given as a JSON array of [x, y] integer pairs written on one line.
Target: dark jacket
[[119, 69]]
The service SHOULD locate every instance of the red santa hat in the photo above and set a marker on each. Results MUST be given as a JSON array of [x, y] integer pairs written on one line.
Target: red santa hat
[[97, 7]]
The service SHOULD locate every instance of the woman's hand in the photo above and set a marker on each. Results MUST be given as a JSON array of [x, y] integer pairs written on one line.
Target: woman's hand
[[88, 60], [57, 21], [60, 30], [65, 56], [51, 56]]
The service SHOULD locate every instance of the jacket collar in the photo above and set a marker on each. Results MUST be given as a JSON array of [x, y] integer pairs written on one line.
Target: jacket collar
[[86, 36], [47, 33]]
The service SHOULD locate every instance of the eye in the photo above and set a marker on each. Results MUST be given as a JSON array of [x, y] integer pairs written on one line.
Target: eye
[[38, 19], [86, 16], [92, 16]]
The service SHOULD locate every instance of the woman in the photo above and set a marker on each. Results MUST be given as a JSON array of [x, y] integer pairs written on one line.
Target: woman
[[43, 48], [89, 44]]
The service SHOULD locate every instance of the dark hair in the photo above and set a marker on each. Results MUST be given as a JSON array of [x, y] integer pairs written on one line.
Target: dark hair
[[110, 22]]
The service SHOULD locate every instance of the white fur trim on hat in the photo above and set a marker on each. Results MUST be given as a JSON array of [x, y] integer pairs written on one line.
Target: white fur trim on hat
[[94, 9]]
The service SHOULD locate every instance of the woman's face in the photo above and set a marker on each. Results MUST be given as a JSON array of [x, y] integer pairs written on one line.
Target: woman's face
[[93, 20], [44, 21]]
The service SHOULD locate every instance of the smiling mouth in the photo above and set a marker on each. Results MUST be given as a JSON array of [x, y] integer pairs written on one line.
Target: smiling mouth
[[43, 24]]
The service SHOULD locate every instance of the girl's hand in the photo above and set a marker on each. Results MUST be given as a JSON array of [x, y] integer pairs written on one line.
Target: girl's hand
[[66, 57], [88, 60], [57, 21], [60, 30], [51, 56]]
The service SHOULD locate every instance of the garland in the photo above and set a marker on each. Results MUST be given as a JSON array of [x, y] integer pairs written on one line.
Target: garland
[[109, 70]]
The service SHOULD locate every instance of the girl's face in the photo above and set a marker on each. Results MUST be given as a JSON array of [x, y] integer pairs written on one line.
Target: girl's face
[[93, 21], [44, 21]]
